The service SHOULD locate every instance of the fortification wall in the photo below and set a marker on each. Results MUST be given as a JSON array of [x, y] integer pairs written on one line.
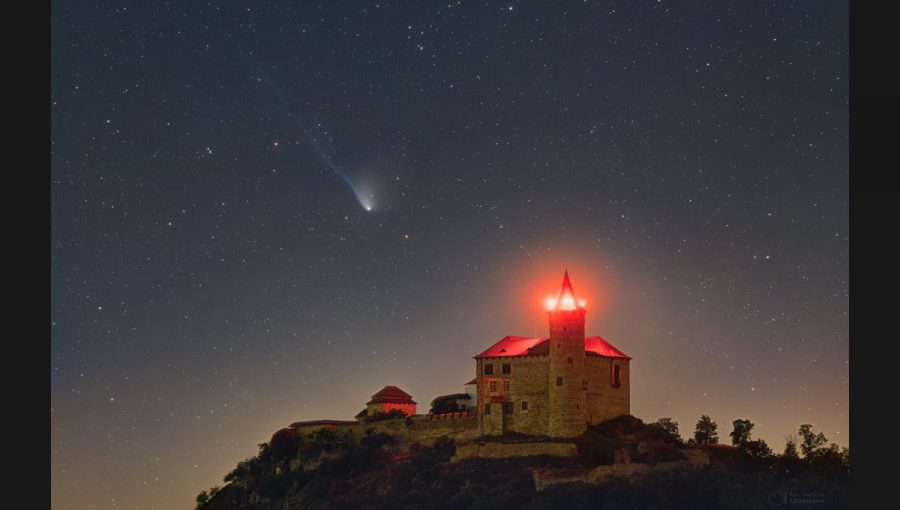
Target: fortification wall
[[491, 450], [424, 429]]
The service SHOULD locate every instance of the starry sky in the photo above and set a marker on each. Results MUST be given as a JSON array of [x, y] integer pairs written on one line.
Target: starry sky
[[263, 213]]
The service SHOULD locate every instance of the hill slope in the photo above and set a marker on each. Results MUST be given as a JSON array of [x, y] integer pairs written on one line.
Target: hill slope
[[329, 474]]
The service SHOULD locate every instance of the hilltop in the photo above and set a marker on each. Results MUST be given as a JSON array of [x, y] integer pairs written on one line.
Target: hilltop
[[620, 463]]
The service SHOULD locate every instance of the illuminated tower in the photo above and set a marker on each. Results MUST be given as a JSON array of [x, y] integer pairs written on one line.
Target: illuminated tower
[[567, 359]]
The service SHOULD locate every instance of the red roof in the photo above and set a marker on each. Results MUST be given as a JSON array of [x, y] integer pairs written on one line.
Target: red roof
[[521, 346], [600, 346], [391, 394], [473, 381]]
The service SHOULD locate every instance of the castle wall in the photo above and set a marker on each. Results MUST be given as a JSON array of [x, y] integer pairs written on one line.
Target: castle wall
[[424, 429], [603, 400], [527, 382]]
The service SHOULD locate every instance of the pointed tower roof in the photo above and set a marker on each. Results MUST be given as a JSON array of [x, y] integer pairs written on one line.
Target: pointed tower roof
[[565, 299]]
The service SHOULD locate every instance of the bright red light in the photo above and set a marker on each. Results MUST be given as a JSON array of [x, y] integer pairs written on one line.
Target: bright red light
[[565, 299], [550, 302]]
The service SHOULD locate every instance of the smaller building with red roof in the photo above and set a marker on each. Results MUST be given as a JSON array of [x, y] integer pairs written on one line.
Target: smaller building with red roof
[[390, 398]]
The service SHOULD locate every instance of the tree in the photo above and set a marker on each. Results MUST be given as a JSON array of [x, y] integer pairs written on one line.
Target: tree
[[203, 498], [756, 448], [741, 432], [669, 425], [265, 453], [790, 448], [705, 432], [740, 437], [810, 441]]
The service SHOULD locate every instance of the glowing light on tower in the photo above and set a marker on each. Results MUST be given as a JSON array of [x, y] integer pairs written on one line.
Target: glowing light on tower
[[565, 299], [550, 303]]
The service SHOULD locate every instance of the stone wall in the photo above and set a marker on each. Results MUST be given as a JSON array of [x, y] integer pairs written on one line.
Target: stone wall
[[603, 400], [424, 429], [543, 478], [530, 381], [527, 382], [491, 450]]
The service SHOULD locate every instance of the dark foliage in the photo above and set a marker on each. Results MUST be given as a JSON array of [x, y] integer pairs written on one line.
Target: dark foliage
[[705, 432], [284, 444], [393, 414]]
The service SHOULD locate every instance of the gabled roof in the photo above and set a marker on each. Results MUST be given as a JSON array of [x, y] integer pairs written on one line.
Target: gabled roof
[[473, 381], [521, 346], [392, 395], [600, 346], [511, 346]]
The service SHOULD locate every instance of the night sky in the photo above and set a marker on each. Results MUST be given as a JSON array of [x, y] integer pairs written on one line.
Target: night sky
[[262, 214]]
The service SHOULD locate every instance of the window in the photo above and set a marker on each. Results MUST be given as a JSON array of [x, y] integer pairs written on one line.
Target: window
[[616, 376], [492, 386], [507, 368], [488, 369], [506, 385], [524, 405], [559, 381], [507, 408], [487, 409], [584, 384], [569, 361]]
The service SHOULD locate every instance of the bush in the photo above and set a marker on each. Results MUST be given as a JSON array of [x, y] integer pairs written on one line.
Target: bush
[[393, 414], [284, 444]]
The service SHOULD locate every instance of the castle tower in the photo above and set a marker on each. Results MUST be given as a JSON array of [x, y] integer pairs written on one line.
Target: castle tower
[[567, 404]]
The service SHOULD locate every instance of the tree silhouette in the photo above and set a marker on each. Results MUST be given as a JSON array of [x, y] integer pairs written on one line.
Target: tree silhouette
[[740, 437], [669, 425], [810, 441], [741, 432], [790, 447], [705, 432]]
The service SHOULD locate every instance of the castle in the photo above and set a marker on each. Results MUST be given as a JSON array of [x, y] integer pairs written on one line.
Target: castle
[[552, 386]]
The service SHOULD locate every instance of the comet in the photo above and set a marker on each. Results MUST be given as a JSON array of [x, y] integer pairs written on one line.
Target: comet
[[364, 194]]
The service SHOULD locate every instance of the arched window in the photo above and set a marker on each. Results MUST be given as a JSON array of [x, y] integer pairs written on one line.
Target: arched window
[[616, 376]]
